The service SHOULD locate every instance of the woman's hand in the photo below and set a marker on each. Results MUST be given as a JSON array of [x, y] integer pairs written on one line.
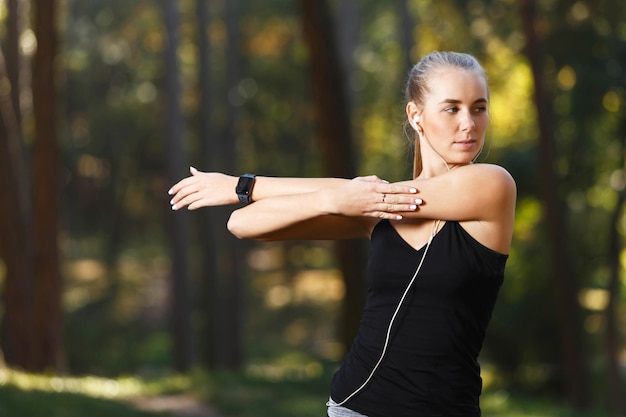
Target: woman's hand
[[372, 197], [203, 189]]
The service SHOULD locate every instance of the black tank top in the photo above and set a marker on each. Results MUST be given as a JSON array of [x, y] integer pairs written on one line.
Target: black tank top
[[430, 368]]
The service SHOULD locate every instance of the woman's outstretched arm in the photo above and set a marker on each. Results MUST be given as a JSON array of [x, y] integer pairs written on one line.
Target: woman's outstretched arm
[[204, 189]]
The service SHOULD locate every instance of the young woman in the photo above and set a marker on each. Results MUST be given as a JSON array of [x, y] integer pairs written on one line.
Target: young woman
[[439, 244]]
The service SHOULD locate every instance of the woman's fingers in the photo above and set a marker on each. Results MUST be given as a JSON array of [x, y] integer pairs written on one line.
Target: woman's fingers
[[185, 201], [372, 197], [395, 200], [395, 189], [182, 184], [203, 189], [391, 200], [393, 211], [181, 196], [187, 191]]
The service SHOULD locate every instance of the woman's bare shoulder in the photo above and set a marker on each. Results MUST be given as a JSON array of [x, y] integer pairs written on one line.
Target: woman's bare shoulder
[[477, 192], [474, 175], [492, 170], [495, 173]]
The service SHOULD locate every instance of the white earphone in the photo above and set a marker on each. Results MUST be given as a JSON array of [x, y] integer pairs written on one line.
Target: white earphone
[[416, 120]]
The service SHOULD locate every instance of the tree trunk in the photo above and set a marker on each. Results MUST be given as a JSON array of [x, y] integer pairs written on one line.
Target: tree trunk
[[179, 230], [617, 404], [407, 26], [565, 288], [232, 253], [17, 344], [348, 30], [335, 139], [209, 226], [46, 190], [13, 58]]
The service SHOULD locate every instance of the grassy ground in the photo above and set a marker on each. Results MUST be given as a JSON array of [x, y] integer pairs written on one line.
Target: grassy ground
[[234, 395], [28, 395], [35, 403], [238, 396]]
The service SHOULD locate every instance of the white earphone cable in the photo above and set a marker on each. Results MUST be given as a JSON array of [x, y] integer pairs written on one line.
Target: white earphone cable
[[406, 291], [393, 318]]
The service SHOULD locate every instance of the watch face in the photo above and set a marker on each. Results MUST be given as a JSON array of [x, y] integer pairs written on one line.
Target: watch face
[[244, 185]]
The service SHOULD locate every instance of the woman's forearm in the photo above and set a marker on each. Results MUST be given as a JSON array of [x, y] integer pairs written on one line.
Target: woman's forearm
[[281, 218], [267, 187], [205, 189]]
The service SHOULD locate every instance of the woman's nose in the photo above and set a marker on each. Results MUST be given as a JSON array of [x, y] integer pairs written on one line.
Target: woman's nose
[[467, 122]]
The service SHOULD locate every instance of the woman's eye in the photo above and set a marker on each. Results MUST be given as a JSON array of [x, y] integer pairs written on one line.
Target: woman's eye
[[452, 110], [480, 109]]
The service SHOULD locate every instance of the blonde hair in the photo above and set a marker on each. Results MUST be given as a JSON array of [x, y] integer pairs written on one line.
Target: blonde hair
[[417, 86]]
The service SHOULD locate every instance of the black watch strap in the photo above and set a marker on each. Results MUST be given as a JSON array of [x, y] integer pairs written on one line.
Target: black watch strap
[[244, 188]]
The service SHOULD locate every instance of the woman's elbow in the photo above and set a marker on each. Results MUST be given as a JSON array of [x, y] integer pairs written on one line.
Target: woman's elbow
[[236, 227], [240, 228]]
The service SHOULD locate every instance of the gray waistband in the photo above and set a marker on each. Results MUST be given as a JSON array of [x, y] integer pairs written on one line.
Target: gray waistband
[[339, 411]]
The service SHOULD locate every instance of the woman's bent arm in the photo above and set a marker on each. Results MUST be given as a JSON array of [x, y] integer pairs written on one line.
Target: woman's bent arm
[[481, 197], [344, 212], [204, 189], [480, 192]]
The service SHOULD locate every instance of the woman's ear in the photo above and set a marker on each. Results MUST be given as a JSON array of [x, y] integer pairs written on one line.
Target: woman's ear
[[413, 114]]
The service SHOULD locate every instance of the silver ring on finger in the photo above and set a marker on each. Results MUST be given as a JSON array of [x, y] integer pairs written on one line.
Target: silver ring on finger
[[384, 195]]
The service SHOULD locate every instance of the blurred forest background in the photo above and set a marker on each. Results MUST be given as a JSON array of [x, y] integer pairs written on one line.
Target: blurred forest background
[[106, 103]]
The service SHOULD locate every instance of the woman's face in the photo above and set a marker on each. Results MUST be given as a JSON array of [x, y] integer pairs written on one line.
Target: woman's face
[[455, 117]]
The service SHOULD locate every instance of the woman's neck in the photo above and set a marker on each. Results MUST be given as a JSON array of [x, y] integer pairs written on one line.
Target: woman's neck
[[435, 168]]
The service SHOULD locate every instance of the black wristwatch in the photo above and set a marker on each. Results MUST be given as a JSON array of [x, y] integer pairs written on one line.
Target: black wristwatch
[[244, 188]]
